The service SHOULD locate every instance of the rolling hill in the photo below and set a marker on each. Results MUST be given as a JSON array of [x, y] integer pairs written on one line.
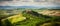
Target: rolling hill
[[30, 18]]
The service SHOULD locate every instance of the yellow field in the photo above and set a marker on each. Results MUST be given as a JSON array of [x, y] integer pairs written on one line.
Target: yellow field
[[15, 18]]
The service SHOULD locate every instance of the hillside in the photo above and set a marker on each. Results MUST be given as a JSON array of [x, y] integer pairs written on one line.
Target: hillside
[[51, 12], [31, 18]]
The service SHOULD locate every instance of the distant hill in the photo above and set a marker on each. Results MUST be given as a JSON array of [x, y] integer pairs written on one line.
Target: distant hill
[[9, 7], [13, 7]]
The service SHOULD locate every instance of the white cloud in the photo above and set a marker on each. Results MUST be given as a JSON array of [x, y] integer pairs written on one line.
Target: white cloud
[[30, 3]]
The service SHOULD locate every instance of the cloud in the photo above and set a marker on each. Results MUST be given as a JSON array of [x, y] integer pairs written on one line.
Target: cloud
[[5, 0], [31, 3]]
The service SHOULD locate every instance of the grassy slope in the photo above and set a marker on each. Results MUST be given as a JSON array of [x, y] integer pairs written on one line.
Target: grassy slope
[[14, 19], [18, 20], [31, 20], [25, 19], [49, 12]]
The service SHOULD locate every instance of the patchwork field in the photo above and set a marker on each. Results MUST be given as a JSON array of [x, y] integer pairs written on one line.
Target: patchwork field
[[49, 12]]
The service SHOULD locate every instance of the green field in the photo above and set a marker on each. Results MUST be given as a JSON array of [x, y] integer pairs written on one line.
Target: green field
[[29, 17]]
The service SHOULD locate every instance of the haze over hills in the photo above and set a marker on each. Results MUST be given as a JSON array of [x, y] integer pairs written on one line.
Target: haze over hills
[[18, 7], [12, 7]]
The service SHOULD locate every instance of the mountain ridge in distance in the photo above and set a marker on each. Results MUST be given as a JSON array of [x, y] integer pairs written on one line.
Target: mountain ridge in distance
[[12, 7]]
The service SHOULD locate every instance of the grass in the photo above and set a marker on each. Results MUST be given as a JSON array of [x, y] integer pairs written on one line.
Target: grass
[[14, 19], [26, 19]]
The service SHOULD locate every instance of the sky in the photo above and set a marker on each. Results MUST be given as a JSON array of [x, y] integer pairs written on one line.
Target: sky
[[44, 3]]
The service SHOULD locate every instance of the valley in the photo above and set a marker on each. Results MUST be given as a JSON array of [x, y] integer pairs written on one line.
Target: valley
[[29, 17]]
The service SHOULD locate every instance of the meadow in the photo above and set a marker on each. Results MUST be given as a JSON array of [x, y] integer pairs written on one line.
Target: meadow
[[30, 17]]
